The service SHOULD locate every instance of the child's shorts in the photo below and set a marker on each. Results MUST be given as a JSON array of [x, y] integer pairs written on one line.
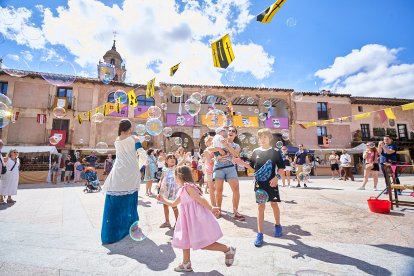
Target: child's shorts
[[273, 192], [208, 177]]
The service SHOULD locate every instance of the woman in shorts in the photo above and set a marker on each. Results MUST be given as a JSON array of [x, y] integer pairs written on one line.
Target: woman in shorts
[[286, 161]]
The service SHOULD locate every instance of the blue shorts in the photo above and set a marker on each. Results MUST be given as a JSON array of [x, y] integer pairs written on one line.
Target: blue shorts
[[225, 171]]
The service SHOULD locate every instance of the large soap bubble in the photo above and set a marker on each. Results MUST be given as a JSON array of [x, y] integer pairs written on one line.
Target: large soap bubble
[[164, 106], [106, 72], [211, 99], [6, 113], [250, 100], [98, 117], [57, 72], [154, 126], [267, 104], [102, 147], [140, 129], [178, 141], [197, 96], [177, 91], [154, 112], [215, 118], [15, 65], [296, 96], [136, 233], [120, 96], [192, 106]]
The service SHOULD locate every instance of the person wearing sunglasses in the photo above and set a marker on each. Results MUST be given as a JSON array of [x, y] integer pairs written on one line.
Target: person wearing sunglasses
[[10, 180]]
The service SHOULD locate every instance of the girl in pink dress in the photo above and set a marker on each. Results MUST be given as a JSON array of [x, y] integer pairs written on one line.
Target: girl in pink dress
[[196, 227]]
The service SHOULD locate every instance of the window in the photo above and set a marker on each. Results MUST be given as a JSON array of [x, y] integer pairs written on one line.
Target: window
[[59, 124], [365, 133], [123, 96], [143, 101], [183, 98], [321, 132], [112, 61], [322, 111], [66, 92], [360, 108], [3, 87], [402, 131]]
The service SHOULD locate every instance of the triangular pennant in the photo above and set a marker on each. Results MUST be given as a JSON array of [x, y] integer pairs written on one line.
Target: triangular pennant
[[222, 52], [362, 116], [267, 15], [105, 109], [174, 69], [150, 89], [89, 116], [382, 116], [118, 107], [390, 114], [132, 98]]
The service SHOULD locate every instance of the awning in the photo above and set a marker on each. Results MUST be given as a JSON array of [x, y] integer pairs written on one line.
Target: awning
[[358, 149], [31, 149], [293, 150]]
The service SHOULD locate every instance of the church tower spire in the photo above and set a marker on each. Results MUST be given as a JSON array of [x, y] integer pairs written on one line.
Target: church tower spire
[[113, 57]]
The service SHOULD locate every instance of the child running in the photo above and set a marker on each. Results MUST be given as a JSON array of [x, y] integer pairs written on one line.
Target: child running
[[196, 227], [266, 162], [168, 188]]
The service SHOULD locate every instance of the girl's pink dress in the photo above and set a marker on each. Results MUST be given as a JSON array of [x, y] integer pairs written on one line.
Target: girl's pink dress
[[196, 226]]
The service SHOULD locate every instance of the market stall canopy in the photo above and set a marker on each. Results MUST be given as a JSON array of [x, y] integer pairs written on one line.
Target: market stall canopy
[[358, 149], [31, 149], [293, 150]]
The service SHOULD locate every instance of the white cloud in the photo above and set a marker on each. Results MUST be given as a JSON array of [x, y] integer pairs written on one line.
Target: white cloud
[[371, 71], [27, 55], [15, 25], [157, 30]]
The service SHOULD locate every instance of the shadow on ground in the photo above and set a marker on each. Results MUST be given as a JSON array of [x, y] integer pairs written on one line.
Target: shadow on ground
[[144, 252]]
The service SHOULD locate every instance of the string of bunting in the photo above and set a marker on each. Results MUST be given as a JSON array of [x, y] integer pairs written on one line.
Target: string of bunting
[[384, 114]]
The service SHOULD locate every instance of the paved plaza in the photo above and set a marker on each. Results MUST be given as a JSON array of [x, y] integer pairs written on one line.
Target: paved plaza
[[55, 230]]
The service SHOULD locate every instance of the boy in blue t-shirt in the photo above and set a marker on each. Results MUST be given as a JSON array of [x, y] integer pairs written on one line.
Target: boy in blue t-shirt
[[388, 154]]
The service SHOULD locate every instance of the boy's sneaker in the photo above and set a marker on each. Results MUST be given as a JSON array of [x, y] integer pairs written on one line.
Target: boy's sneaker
[[304, 184], [278, 231], [259, 240]]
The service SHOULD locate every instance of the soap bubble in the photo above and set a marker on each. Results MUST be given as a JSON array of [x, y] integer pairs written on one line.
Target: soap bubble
[[307, 169], [215, 118], [177, 91], [180, 120], [136, 233], [203, 91], [57, 72], [15, 66], [101, 147], [250, 100], [6, 113], [267, 104], [241, 137], [141, 152], [252, 140], [120, 96], [249, 154], [30, 31], [285, 136], [5, 100], [154, 112], [185, 145], [167, 131], [238, 113], [192, 106], [147, 138], [106, 72], [230, 75], [279, 144], [178, 141], [164, 106], [185, 140], [59, 112], [291, 22], [98, 117], [140, 129], [262, 117], [154, 126], [296, 96], [211, 99], [161, 93], [256, 111], [81, 141], [197, 96]]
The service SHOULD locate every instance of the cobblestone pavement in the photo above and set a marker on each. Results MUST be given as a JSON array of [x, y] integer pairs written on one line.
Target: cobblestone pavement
[[327, 229]]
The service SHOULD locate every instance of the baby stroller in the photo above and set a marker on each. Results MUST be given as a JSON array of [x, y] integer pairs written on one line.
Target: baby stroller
[[92, 181]]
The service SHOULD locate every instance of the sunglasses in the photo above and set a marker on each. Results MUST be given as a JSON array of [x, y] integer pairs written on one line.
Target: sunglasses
[[232, 130]]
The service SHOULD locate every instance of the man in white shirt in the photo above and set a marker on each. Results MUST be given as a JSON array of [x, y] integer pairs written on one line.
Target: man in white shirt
[[346, 165]]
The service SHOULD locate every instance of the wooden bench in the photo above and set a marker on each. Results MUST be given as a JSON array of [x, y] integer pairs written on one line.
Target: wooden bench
[[393, 188]]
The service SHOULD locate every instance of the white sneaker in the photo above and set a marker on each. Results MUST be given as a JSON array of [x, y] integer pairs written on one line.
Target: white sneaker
[[333, 178], [361, 188]]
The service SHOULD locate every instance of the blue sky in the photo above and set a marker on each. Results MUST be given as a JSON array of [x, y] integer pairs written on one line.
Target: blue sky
[[358, 47]]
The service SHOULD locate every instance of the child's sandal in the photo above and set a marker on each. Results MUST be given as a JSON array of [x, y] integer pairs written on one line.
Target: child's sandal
[[229, 256], [184, 267], [165, 225]]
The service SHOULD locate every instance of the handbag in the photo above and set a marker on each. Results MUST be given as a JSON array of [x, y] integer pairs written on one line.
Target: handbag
[[3, 168]]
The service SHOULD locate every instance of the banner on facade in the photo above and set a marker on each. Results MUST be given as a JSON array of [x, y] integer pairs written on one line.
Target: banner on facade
[[60, 136], [111, 110], [141, 112]]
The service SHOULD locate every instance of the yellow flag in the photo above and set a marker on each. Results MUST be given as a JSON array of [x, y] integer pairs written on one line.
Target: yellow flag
[[80, 119], [311, 124], [222, 52], [150, 89], [267, 15], [89, 116], [174, 69], [97, 110], [104, 110], [390, 114], [132, 98], [118, 107], [328, 121], [362, 116], [408, 106]]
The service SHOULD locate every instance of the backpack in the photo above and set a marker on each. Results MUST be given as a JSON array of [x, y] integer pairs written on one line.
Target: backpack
[[79, 168]]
